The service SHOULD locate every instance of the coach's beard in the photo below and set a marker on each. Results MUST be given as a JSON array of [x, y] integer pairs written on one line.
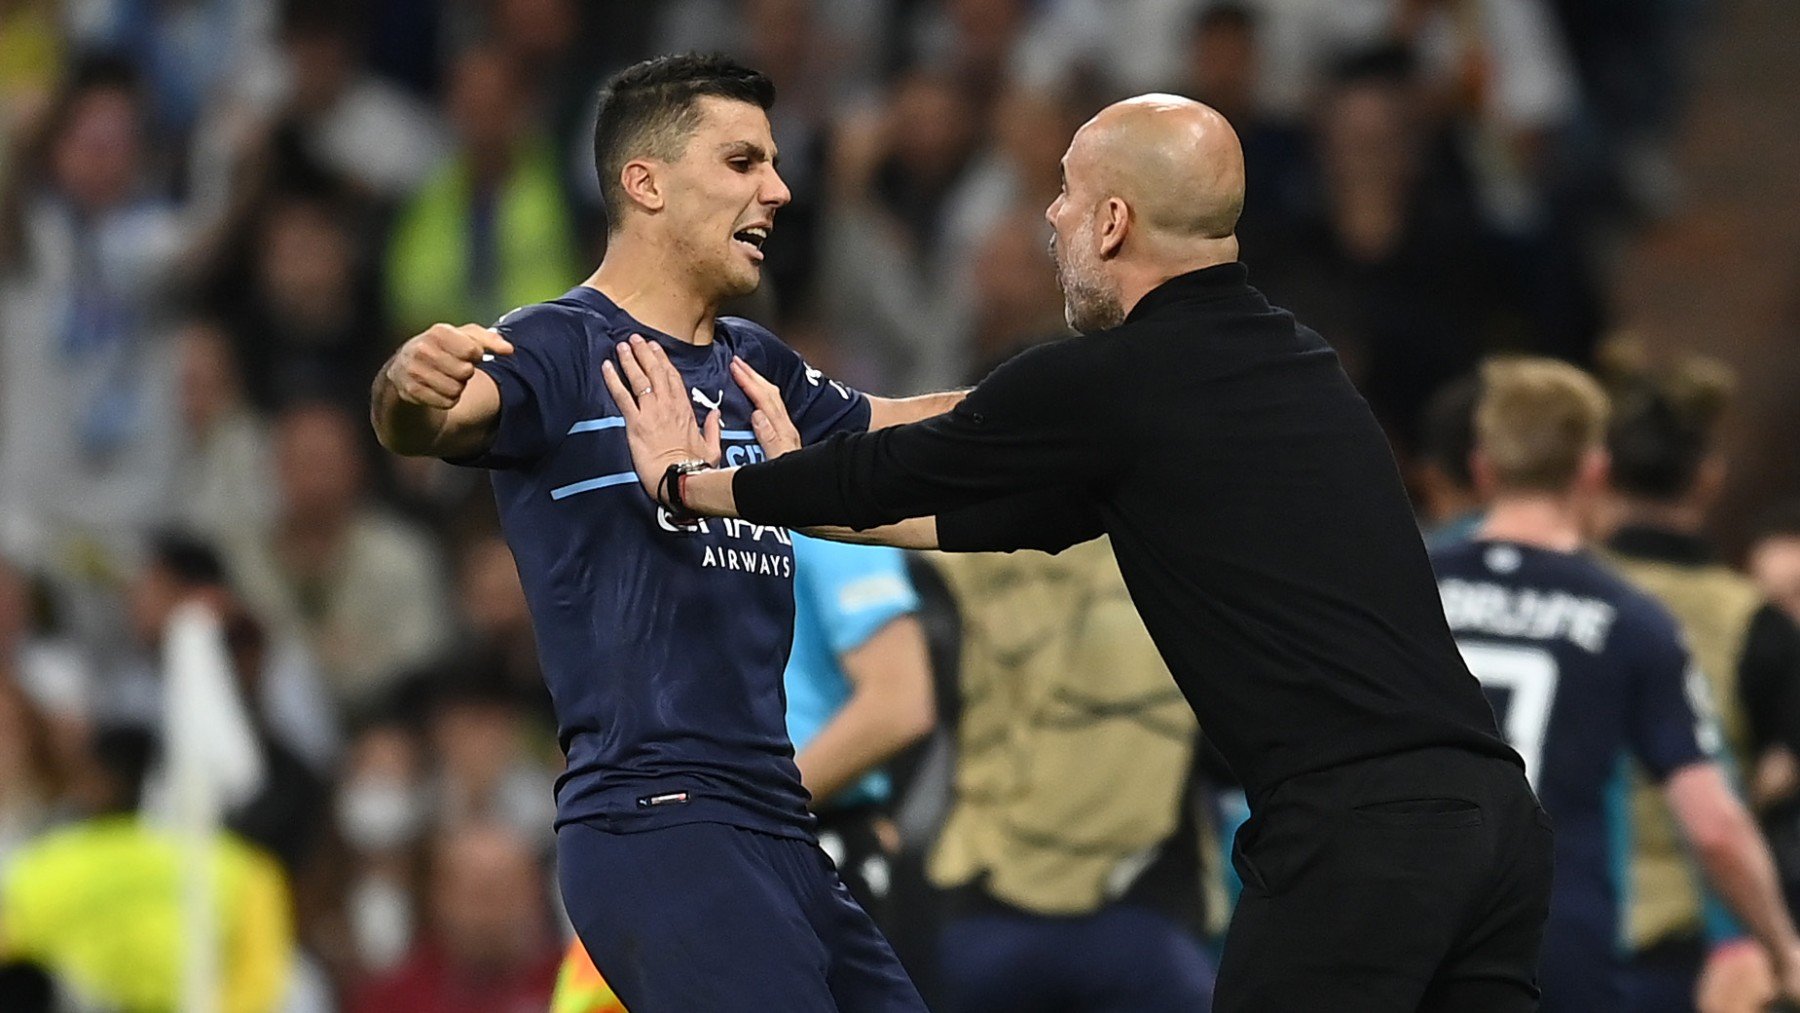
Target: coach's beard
[[1088, 305]]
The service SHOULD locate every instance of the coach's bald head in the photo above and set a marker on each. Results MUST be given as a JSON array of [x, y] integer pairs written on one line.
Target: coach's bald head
[[1152, 188]]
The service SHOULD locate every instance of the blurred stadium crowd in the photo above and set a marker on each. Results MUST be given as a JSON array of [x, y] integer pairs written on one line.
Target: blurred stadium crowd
[[217, 218]]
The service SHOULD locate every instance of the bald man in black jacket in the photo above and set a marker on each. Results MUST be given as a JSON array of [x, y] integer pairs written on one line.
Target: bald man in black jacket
[[1396, 858]]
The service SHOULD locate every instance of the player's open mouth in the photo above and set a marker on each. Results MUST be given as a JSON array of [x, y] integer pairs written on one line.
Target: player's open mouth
[[753, 239]]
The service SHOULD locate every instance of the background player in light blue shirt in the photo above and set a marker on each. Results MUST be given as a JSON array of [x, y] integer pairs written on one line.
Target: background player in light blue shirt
[[858, 691]]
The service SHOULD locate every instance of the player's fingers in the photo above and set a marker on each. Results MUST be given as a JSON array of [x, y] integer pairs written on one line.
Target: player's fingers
[[413, 392], [759, 390], [663, 374], [489, 339], [709, 435], [453, 366], [633, 371], [774, 440], [621, 393]]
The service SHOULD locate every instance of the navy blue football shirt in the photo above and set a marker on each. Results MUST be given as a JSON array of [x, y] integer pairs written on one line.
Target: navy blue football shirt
[[1585, 674], [663, 648]]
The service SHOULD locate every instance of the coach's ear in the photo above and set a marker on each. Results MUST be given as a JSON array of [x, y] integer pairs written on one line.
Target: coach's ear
[[641, 182], [1115, 221]]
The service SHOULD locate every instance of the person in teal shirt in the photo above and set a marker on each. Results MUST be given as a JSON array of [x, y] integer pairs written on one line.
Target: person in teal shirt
[[859, 690]]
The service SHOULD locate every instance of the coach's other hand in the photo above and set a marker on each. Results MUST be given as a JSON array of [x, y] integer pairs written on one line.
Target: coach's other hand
[[434, 366], [659, 420], [770, 421]]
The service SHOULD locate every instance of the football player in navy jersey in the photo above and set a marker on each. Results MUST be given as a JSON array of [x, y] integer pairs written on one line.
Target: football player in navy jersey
[[1587, 675], [688, 859]]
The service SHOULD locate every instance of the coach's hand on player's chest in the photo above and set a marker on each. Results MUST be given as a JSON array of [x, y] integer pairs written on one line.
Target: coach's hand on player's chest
[[659, 419]]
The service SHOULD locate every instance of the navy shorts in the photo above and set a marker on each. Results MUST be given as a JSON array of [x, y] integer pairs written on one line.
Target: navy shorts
[[704, 917]]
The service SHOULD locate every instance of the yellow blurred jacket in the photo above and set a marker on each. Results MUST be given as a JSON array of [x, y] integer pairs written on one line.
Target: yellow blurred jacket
[[580, 988], [98, 904]]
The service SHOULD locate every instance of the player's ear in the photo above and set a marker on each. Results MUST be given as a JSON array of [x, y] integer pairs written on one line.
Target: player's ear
[[1115, 221], [642, 182], [1596, 470], [1482, 470]]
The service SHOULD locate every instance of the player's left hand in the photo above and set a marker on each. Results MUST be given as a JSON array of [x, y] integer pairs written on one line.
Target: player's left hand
[[659, 420], [770, 421]]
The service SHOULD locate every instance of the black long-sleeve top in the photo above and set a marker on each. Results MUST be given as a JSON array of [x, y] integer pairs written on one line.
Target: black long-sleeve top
[[1252, 501]]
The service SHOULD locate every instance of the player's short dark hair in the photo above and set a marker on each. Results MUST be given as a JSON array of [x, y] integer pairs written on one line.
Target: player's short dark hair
[[1664, 426], [650, 108], [1447, 428], [1780, 521]]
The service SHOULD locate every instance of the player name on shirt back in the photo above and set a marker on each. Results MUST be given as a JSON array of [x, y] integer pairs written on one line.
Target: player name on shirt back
[[1532, 613]]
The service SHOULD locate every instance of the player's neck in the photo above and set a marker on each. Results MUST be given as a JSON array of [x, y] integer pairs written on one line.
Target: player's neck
[[1683, 516], [1546, 522], [638, 278]]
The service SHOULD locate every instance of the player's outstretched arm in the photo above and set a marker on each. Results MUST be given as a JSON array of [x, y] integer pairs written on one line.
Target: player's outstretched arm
[[891, 411], [1737, 862], [430, 400]]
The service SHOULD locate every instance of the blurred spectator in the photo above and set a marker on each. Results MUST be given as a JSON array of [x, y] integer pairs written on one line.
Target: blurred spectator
[[54, 674], [277, 683], [1017, 299], [97, 902], [30, 774], [1394, 266], [31, 56], [1775, 558], [224, 472], [1124, 47], [188, 52], [359, 912], [1666, 474], [278, 680], [363, 589], [1631, 56], [488, 945], [490, 230], [1223, 68], [497, 624], [305, 322], [87, 258], [893, 281], [485, 771], [973, 42], [1019, 170], [345, 118]]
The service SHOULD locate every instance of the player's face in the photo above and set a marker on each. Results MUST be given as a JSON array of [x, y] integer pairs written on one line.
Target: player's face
[[1089, 302], [1775, 563], [723, 195]]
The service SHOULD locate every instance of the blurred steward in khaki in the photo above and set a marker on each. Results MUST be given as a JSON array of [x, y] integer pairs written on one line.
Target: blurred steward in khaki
[[1667, 471]]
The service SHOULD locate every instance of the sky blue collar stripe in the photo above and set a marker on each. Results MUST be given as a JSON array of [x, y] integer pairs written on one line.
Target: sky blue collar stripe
[[737, 434], [589, 425], [589, 485]]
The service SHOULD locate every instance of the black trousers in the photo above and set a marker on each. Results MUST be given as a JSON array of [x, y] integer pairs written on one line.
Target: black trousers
[[1416, 882]]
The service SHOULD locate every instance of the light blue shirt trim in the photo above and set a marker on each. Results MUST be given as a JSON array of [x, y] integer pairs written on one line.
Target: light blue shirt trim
[[589, 485], [589, 425]]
